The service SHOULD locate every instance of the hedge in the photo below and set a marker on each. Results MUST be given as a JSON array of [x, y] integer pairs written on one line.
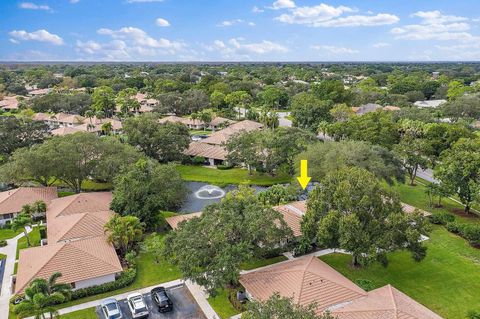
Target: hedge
[[442, 218], [126, 278]]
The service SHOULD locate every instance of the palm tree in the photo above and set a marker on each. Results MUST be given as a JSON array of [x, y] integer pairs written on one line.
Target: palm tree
[[124, 231], [39, 207], [90, 114], [23, 220], [107, 128], [41, 295]]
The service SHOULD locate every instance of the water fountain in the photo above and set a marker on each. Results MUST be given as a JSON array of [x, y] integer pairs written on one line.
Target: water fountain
[[209, 192]]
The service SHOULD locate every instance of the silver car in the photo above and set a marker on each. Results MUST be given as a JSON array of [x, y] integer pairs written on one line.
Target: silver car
[[137, 305], [110, 309]]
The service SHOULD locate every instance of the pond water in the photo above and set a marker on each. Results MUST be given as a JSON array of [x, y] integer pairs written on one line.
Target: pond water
[[203, 194]]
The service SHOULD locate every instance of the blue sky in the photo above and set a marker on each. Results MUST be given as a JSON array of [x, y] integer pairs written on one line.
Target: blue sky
[[240, 30]]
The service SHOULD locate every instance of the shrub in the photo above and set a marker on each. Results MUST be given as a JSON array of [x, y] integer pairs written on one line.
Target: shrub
[[473, 314], [454, 227], [224, 167], [472, 234], [442, 218], [125, 279], [198, 160], [3, 243], [232, 297], [43, 232], [304, 246], [365, 284]]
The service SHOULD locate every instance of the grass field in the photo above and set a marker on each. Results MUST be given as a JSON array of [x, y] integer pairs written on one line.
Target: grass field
[[230, 176], [7, 233], [34, 236], [222, 305], [81, 314]]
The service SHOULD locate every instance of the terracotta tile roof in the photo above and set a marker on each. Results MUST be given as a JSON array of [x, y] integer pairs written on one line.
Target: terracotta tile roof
[[65, 130], [39, 92], [76, 260], [222, 136], [182, 120], [384, 303], [206, 150], [41, 117], [96, 125], [9, 103], [221, 120], [409, 209], [11, 201], [175, 220], [79, 203], [307, 280], [391, 108], [293, 214], [73, 119], [72, 227]]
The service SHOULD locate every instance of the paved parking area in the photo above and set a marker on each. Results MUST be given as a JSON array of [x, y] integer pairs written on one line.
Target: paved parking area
[[184, 306]]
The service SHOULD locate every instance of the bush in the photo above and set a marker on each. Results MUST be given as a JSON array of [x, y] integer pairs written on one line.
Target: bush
[[198, 160], [232, 297], [304, 246], [125, 279], [473, 314], [472, 234], [454, 227], [441, 218], [365, 284], [3, 243], [43, 232], [224, 167]]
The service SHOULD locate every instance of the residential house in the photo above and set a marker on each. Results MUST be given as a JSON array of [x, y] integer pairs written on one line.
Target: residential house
[[76, 246], [12, 201], [174, 221], [38, 92], [9, 103], [430, 103], [95, 125], [196, 124], [308, 280], [213, 147]]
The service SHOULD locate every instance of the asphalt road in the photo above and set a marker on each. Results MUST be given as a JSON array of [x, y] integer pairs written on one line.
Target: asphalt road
[[184, 306]]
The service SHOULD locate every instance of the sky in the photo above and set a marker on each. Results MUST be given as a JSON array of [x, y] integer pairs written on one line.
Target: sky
[[240, 30]]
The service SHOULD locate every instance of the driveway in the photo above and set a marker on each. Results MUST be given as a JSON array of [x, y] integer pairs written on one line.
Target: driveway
[[184, 306]]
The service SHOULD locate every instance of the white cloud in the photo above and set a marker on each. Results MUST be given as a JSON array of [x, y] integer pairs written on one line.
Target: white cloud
[[283, 4], [381, 45], [236, 48], [334, 49], [128, 43], [33, 6], [39, 35], [436, 26], [162, 22], [256, 9], [229, 23], [324, 15]]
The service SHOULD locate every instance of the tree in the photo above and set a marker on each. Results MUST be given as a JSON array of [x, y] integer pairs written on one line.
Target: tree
[[238, 99], [352, 211], [16, 133], [327, 157], [456, 89], [23, 221], [333, 90], [145, 188], [412, 152], [308, 111], [210, 250], [126, 101], [103, 99], [281, 307], [41, 296], [459, 170], [465, 107], [124, 232], [217, 99], [279, 194], [107, 128], [245, 148], [274, 97], [164, 142]]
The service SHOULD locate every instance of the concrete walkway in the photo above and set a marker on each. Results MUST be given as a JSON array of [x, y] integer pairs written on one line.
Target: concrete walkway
[[201, 296], [11, 251]]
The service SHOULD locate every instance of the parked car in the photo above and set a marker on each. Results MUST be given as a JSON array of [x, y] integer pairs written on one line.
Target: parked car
[[161, 299], [110, 309], [137, 305]]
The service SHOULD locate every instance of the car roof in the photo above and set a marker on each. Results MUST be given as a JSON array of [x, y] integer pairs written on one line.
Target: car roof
[[109, 301]]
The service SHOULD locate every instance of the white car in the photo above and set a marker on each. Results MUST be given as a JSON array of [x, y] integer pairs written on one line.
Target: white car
[[137, 305], [110, 309]]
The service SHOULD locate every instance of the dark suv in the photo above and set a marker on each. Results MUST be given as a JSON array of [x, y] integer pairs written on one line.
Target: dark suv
[[161, 299]]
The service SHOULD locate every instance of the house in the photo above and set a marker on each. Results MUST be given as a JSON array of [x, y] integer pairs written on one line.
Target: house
[[367, 108], [174, 221], [386, 302], [95, 125], [308, 280], [196, 124], [9, 103], [12, 201], [64, 130], [59, 119], [39, 92], [76, 246], [430, 103], [293, 214], [213, 147]]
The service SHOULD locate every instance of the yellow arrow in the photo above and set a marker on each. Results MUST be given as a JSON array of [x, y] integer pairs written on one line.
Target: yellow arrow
[[304, 179]]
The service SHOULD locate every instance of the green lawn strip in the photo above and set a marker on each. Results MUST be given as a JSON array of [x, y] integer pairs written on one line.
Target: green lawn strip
[[7, 233], [15, 268], [87, 185], [2, 256], [230, 176], [446, 281], [222, 305], [257, 263], [88, 313], [34, 236], [149, 273]]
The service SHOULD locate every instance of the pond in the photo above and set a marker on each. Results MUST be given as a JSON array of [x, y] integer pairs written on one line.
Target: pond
[[203, 194]]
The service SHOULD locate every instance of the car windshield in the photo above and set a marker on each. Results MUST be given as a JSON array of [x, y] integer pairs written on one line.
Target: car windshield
[[115, 316], [111, 306], [139, 310]]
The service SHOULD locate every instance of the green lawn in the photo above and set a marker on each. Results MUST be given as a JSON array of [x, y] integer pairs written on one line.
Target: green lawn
[[447, 281], [7, 233], [230, 176], [257, 263], [222, 305], [2, 256], [87, 185], [34, 236], [81, 314]]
